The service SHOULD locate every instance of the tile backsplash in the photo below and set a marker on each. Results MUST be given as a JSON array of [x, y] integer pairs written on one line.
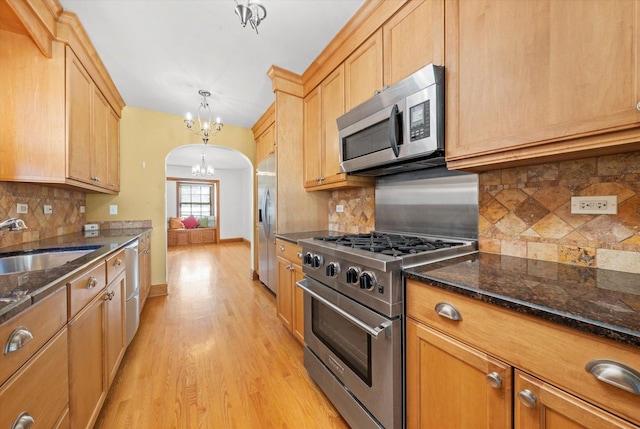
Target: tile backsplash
[[526, 212], [359, 210], [64, 219]]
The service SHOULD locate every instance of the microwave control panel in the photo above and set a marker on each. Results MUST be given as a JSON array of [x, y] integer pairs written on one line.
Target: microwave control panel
[[419, 115]]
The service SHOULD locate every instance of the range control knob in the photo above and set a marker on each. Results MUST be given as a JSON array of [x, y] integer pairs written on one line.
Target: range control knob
[[367, 280], [353, 274], [333, 269], [308, 257], [316, 261]]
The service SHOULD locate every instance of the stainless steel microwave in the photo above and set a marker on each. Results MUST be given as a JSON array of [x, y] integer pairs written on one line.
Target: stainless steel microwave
[[399, 129]]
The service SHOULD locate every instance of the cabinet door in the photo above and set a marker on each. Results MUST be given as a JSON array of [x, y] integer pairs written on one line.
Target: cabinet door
[[539, 405], [100, 141], [79, 94], [332, 107], [87, 379], [312, 138], [363, 71], [116, 337], [298, 304], [526, 73], [265, 145], [413, 38], [449, 384], [284, 298], [113, 129]]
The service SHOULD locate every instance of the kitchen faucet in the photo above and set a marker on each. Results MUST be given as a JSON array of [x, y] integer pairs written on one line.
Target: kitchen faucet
[[13, 224]]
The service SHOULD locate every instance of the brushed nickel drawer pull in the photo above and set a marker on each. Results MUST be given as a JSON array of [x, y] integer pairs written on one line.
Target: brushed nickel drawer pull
[[18, 338], [494, 380], [281, 248], [299, 255], [527, 398], [24, 421], [447, 310], [93, 282], [616, 374]]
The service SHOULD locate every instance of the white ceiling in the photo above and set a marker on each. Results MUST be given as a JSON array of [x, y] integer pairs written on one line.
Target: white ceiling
[[159, 53]]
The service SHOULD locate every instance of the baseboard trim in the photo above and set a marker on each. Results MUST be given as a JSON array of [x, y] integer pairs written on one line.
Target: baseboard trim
[[158, 290], [235, 240]]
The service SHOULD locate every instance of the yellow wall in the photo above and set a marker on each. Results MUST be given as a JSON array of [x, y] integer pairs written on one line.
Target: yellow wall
[[147, 137]]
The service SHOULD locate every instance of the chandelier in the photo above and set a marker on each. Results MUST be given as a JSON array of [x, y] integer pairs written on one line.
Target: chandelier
[[207, 128], [253, 13], [202, 169]]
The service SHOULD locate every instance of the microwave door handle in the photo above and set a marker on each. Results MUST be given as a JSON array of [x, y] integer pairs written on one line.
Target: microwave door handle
[[395, 130]]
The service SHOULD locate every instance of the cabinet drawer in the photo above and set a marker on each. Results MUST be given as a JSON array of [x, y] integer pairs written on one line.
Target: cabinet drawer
[[83, 288], [550, 351], [40, 388], [115, 265], [289, 251], [41, 322]]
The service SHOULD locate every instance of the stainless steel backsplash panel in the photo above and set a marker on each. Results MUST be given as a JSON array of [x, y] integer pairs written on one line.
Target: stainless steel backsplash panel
[[434, 201]]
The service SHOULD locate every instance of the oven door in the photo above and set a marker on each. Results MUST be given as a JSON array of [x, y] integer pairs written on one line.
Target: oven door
[[359, 347]]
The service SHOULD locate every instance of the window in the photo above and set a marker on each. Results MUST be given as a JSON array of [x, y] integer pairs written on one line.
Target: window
[[196, 199]]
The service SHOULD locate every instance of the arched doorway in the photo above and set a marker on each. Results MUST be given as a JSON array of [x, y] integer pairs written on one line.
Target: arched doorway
[[231, 184]]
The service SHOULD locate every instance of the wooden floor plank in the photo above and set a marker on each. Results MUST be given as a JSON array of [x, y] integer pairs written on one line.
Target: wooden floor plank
[[213, 355]]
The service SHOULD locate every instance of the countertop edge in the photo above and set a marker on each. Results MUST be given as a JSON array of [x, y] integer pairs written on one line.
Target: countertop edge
[[43, 291], [565, 319]]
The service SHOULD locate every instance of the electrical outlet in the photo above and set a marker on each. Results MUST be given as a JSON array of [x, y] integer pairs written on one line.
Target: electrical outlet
[[47, 209], [113, 209], [22, 208], [339, 208], [595, 205], [82, 209]]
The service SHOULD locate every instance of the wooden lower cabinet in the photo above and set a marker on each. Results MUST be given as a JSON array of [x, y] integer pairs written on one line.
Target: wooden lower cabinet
[[539, 405], [115, 332], [289, 298], [39, 390], [87, 378], [451, 385], [453, 368], [97, 342]]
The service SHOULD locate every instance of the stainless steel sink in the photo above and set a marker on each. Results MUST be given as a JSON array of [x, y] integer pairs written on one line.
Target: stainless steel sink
[[40, 260]]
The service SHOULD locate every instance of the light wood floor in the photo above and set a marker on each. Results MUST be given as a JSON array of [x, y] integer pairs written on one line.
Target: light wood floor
[[212, 354]]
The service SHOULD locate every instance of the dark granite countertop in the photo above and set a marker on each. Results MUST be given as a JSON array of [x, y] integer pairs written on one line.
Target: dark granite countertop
[[598, 301], [293, 237], [33, 286]]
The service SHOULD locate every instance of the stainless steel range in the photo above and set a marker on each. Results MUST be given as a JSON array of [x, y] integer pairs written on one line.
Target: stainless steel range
[[354, 292]]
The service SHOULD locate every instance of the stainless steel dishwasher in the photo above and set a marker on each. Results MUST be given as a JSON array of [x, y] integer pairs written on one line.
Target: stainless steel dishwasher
[[132, 290]]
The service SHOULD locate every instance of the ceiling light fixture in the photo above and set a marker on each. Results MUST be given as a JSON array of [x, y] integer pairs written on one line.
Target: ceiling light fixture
[[207, 128], [202, 169], [253, 13]]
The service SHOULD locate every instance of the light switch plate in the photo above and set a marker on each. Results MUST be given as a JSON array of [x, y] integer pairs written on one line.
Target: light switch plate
[[47, 209], [22, 208], [113, 209]]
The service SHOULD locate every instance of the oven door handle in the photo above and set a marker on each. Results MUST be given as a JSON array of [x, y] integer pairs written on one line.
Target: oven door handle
[[374, 332]]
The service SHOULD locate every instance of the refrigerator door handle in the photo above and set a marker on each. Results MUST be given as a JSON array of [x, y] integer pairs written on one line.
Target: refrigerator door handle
[[265, 224]]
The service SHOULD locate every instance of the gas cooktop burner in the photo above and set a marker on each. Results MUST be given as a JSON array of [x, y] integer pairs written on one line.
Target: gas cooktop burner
[[388, 244]]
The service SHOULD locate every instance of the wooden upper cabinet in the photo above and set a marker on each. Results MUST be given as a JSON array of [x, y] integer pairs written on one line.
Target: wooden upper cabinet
[[266, 144], [312, 138], [113, 135], [93, 130], [540, 79], [332, 108], [363, 71], [413, 38], [79, 96]]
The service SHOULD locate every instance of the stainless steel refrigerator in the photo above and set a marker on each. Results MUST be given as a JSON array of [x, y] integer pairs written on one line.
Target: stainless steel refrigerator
[[267, 268]]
